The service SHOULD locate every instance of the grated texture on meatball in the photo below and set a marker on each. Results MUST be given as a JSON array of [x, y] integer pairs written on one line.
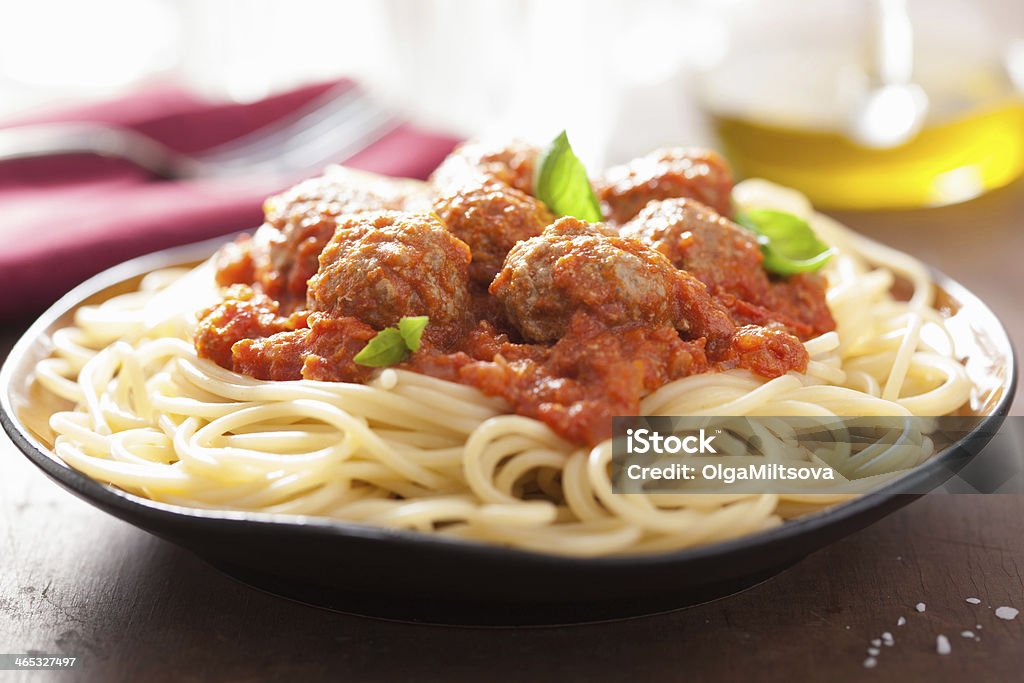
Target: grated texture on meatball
[[509, 163], [574, 266], [381, 266], [491, 217], [665, 174]]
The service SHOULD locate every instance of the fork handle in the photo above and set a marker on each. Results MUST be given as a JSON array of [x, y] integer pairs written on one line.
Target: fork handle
[[58, 139]]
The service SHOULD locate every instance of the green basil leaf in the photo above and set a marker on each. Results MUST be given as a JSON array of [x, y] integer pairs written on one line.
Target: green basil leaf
[[411, 330], [386, 348], [392, 345], [561, 182], [788, 243]]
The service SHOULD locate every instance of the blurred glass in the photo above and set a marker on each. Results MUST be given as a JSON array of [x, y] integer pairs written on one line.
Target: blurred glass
[[792, 77]]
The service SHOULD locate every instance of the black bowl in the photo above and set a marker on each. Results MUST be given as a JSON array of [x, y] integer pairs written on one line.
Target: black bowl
[[417, 577]]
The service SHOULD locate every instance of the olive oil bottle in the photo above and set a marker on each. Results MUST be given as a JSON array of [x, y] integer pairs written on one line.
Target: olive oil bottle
[[869, 104], [952, 159]]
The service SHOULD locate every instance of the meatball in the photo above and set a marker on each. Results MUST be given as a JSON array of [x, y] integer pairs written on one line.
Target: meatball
[[381, 266], [574, 267], [343, 190], [491, 217], [512, 164], [664, 174], [727, 258], [300, 221], [713, 249]]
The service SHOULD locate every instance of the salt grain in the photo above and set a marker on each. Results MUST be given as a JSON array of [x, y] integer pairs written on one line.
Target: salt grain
[[920, 607], [966, 634], [901, 621], [870, 663], [942, 645], [876, 642], [974, 601], [977, 626], [1007, 613], [888, 639], [873, 651]]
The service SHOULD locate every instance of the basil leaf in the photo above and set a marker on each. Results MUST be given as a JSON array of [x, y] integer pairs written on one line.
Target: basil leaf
[[788, 243], [392, 345], [386, 348], [561, 182], [411, 330]]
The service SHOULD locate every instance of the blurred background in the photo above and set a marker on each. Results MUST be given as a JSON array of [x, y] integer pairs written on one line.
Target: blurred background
[[780, 84]]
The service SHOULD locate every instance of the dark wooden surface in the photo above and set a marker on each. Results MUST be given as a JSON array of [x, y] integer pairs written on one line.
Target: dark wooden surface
[[135, 608]]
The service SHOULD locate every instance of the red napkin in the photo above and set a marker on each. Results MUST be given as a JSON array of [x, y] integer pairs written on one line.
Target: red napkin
[[63, 219]]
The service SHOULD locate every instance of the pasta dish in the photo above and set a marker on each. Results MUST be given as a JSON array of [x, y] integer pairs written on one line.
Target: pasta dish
[[447, 356]]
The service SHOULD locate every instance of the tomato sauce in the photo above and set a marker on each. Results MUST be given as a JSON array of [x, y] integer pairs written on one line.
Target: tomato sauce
[[575, 385]]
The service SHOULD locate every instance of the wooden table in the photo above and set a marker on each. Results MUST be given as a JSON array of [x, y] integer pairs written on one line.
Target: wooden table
[[76, 581]]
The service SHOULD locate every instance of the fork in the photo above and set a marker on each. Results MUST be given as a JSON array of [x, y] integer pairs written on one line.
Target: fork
[[332, 127]]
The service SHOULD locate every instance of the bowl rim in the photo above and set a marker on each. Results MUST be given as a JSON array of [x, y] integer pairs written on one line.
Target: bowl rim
[[108, 497]]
